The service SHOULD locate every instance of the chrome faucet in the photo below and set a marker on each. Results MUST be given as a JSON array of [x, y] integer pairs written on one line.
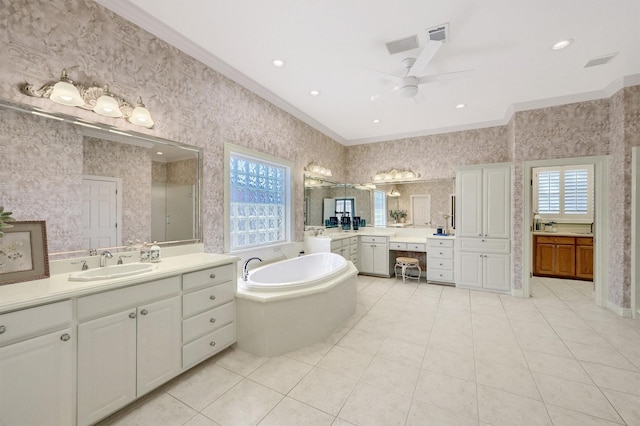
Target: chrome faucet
[[103, 258], [245, 268]]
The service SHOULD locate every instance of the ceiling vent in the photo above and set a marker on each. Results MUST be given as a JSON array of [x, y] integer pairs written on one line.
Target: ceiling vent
[[402, 45], [438, 33], [601, 60]]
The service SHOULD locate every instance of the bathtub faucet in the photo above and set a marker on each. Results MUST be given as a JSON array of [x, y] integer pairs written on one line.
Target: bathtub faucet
[[245, 268]]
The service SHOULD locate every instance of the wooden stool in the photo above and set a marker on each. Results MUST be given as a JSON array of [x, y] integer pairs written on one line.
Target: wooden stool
[[407, 262]]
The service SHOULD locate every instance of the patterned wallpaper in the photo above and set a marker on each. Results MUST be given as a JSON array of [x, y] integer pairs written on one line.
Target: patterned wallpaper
[[104, 48], [440, 190]]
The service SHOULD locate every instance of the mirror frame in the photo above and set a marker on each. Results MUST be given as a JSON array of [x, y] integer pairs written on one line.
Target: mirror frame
[[123, 135]]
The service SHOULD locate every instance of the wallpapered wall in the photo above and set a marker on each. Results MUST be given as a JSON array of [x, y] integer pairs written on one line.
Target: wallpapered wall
[[211, 110]]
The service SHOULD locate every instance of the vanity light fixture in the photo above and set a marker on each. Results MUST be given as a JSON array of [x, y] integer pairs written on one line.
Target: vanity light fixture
[[318, 169], [395, 175], [97, 99]]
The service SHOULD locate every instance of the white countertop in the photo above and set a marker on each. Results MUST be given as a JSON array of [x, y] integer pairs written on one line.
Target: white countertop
[[58, 287], [562, 234], [400, 239]]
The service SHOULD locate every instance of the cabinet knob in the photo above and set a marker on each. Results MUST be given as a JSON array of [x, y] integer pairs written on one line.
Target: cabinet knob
[[132, 315], [480, 255], [2, 329], [441, 253], [212, 320], [479, 235], [212, 276], [144, 312], [212, 343], [65, 337], [441, 264], [212, 297]]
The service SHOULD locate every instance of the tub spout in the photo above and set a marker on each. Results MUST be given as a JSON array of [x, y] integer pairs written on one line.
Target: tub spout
[[245, 268]]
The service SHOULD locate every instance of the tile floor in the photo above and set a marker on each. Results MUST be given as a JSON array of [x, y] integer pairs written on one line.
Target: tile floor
[[419, 354]]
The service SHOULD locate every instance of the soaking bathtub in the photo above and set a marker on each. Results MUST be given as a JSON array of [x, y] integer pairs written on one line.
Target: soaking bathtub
[[293, 303]]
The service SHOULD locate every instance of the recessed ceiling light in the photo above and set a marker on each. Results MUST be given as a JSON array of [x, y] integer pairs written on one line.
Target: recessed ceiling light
[[160, 153], [460, 106], [562, 44], [376, 121], [314, 93], [278, 63]]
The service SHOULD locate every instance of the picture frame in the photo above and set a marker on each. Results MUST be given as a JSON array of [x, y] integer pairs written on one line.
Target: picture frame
[[24, 253]]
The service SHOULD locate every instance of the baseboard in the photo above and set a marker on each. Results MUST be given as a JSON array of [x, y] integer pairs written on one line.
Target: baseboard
[[623, 312]]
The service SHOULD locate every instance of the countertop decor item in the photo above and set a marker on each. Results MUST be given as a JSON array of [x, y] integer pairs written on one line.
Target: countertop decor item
[[23, 252], [5, 220]]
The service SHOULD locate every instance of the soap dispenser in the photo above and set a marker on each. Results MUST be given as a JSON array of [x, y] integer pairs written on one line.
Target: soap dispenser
[[154, 252], [144, 253]]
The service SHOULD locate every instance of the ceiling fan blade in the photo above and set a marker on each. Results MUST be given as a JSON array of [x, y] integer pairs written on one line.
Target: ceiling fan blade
[[384, 75], [384, 94], [420, 98], [445, 76], [430, 49]]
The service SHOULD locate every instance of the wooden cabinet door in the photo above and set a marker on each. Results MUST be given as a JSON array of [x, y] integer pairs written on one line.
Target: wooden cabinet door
[[545, 259], [584, 262], [37, 381], [565, 260]]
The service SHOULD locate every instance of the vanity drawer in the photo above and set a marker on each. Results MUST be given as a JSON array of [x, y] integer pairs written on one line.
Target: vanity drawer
[[555, 240], [34, 321], [208, 321], [439, 275], [207, 277], [123, 298], [434, 242], [208, 345], [441, 253], [486, 245], [370, 239], [416, 247], [397, 246], [207, 298], [336, 244], [436, 263], [353, 240], [354, 249]]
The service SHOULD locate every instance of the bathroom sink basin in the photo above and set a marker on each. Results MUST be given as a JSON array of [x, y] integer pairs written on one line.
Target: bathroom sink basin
[[111, 272]]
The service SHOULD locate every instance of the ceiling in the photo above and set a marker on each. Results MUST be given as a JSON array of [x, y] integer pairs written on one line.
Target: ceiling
[[327, 45]]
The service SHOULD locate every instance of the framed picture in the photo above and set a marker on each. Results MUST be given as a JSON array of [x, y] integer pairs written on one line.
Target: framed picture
[[23, 252]]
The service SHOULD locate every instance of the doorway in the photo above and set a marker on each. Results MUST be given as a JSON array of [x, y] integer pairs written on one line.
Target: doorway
[[101, 212], [421, 210], [601, 222]]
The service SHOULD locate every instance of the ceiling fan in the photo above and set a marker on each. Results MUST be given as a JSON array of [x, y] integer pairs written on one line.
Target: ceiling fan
[[408, 85]]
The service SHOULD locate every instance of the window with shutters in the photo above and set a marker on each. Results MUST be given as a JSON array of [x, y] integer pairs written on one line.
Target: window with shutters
[[564, 194], [259, 199], [379, 208]]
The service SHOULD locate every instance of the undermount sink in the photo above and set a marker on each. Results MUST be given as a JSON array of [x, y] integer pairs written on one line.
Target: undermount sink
[[111, 272]]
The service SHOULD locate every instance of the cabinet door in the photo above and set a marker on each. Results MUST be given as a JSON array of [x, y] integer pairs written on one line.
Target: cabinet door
[[496, 192], [545, 259], [366, 258], [159, 343], [469, 203], [565, 260], [496, 272], [469, 269], [37, 381], [106, 365], [380, 259], [584, 262]]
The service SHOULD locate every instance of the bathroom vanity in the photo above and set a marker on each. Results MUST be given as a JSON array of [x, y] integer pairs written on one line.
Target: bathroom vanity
[[75, 352]]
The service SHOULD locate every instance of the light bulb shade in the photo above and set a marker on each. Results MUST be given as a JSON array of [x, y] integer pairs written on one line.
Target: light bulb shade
[[141, 116], [408, 91], [108, 106], [66, 93]]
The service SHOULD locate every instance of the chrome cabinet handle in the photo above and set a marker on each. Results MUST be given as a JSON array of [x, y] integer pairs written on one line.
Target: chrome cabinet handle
[[2, 329], [212, 343], [212, 276], [132, 315], [212, 297], [212, 320], [144, 312], [65, 337]]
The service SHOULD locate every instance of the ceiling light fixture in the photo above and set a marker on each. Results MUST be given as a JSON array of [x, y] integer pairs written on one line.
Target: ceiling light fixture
[[460, 106], [562, 44], [395, 176], [318, 169], [97, 99], [376, 121], [159, 152], [278, 63], [314, 93]]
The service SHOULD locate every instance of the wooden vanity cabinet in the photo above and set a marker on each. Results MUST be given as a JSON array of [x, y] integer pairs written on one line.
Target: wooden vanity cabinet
[[563, 257], [584, 258]]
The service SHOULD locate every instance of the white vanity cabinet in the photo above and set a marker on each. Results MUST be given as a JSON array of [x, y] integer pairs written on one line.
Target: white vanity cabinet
[[374, 255], [209, 313], [129, 342], [37, 366], [346, 247], [440, 260]]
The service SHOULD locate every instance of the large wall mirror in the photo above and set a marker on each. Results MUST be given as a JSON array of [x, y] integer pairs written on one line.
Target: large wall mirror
[[425, 202], [95, 186]]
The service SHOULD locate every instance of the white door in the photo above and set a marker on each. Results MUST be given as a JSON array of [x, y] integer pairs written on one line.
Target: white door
[[497, 202], [421, 210], [106, 365], [366, 258], [37, 381], [469, 203], [159, 343], [180, 212], [99, 213], [158, 211], [496, 272]]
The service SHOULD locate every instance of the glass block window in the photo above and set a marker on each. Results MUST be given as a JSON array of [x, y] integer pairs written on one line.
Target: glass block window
[[564, 193], [258, 202]]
